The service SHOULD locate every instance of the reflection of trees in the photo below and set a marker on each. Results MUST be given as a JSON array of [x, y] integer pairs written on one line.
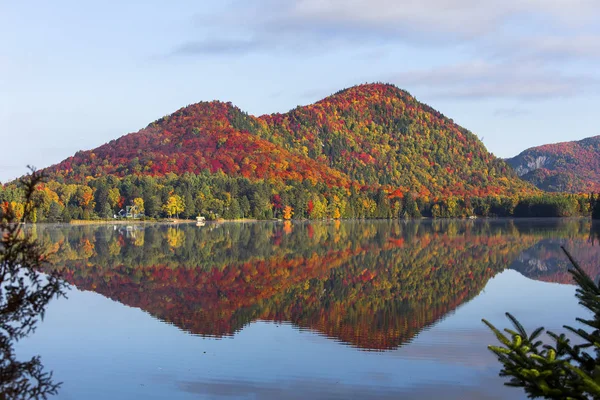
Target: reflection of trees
[[374, 285]]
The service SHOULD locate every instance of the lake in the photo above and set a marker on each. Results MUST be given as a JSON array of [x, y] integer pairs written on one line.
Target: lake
[[327, 310]]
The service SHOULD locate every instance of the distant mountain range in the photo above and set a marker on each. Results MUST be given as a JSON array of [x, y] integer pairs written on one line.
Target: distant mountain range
[[562, 167], [372, 135]]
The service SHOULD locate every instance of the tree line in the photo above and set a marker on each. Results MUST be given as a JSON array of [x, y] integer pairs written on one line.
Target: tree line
[[219, 196]]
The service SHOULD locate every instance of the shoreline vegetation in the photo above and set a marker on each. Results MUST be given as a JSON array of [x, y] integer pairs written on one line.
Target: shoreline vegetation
[[218, 196], [128, 221], [249, 220], [155, 221]]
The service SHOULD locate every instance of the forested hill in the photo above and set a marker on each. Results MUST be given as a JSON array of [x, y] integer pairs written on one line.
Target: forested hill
[[379, 133], [562, 167], [200, 137], [368, 136]]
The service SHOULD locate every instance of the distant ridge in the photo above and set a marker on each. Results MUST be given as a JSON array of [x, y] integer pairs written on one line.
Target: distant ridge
[[562, 167]]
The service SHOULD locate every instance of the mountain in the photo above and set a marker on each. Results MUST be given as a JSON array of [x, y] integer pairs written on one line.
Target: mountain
[[201, 137], [562, 167], [372, 135]]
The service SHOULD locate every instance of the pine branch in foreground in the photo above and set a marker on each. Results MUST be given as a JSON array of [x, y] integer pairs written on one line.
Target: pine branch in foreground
[[559, 370]]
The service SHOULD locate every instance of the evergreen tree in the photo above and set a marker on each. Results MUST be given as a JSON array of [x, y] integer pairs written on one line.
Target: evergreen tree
[[233, 211], [595, 207], [559, 370], [152, 206], [106, 212], [66, 215], [54, 213], [245, 207], [189, 205], [410, 208]]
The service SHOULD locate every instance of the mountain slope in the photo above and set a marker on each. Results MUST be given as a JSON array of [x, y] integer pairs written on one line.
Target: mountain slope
[[380, 133], [371, 135], [196, 138], [562, 167]]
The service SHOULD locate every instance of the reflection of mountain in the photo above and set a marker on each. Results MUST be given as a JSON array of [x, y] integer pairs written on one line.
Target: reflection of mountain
[[545, 261], [372, 285]]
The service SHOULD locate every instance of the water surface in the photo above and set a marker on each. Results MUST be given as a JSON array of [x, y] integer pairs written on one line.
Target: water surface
[[348, 310]]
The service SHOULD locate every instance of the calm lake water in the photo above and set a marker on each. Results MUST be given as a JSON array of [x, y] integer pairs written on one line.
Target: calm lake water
[[333, 310]]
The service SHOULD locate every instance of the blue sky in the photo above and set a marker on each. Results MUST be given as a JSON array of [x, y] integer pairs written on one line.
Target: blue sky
[[76, 74]]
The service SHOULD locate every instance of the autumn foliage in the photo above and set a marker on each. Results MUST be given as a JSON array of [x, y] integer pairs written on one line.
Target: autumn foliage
[[562, 167], [368, 136], [374, 285]]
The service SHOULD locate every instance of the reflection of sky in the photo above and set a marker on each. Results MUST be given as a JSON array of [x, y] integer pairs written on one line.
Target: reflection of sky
[[102, 349]]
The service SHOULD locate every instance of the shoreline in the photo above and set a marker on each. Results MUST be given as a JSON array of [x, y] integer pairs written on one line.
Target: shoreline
[[127, 222], [245, 221]]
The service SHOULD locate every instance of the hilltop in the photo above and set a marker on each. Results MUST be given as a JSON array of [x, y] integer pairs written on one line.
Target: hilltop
[[562, 167], [372, 135]]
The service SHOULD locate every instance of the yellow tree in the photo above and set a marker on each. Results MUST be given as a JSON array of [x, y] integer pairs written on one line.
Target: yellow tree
[[114, 197], [138, 203], [174, 206], [336, 213], [288, 212], [17, 209]]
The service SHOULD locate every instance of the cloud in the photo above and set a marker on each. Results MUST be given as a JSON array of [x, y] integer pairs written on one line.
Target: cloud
[[462, 17], [510, 112], [328, 388], [500, 28], [499, 48], [559, 47], [273, 24], [217, 46], [403, 20], [482, 80]]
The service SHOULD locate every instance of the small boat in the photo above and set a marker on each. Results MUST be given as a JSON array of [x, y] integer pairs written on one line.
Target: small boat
[[200, 221]]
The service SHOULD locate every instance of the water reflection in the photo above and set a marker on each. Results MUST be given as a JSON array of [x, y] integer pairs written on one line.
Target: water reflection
[[372, 285]]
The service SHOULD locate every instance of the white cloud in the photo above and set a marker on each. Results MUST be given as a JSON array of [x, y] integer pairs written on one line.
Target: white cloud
[[580, 46], [523, 49], [464, 17], [481, 79]]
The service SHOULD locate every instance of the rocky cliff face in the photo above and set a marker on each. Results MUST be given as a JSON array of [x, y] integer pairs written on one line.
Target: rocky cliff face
[[531, 165], [561, 167]]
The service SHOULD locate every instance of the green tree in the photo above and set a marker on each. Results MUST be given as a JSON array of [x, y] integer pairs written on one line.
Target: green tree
[[152, 206], [233, 211], [559, 370], [189, 205], [245, 207], [410, 209], [595, 205], [54, 212], [104, 212]]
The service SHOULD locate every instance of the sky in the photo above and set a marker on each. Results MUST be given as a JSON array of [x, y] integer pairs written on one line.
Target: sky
[[76, 74]]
